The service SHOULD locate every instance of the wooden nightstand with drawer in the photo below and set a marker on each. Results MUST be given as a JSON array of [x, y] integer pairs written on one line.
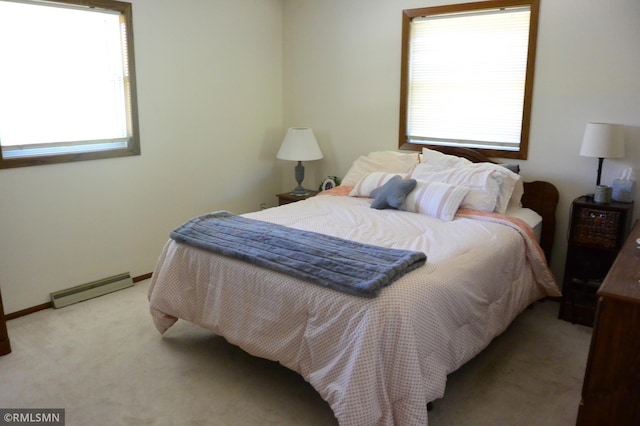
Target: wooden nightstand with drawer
[[287, 197], [596, 233]]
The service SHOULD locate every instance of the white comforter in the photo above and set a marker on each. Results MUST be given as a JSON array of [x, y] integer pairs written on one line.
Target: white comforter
[[375, 361]]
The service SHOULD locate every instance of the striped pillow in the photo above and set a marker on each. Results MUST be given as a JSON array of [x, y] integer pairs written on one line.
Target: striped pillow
[[483, 183], [372, 181], [436, 199]]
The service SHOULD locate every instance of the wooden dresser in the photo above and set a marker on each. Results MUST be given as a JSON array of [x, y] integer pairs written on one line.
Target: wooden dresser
[[611, 388], [5, 346]]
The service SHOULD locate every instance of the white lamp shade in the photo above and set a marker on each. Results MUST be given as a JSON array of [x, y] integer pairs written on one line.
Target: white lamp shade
[[602, 140], [299, 144]]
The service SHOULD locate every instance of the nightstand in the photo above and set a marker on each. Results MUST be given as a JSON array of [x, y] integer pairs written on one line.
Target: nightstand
[[596, 233], [287, 197]]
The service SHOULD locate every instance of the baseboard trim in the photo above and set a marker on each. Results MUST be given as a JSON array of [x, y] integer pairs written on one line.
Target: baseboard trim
[[141, 277], [28, 311], [49, 305]]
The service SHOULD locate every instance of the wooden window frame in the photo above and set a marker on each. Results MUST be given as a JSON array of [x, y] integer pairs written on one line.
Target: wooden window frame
[[409, 14], [133, 140]]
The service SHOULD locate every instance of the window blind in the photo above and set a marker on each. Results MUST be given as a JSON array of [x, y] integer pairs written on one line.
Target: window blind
[[69, 87], [467, 74]]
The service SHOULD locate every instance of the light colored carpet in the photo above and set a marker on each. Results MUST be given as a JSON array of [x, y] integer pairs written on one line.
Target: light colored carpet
[[105, 363]]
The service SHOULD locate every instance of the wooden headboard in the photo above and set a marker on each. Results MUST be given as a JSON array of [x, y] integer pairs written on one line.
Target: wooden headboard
[[539, 196]]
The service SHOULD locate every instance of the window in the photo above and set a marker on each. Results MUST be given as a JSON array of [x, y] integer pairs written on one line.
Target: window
[[467, 76], [67, 82]]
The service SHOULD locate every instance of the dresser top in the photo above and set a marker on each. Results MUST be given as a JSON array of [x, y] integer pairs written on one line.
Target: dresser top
[[623, 279]]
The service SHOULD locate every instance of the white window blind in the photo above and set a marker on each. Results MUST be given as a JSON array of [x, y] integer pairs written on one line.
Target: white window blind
[[467, 74], [63, 80]]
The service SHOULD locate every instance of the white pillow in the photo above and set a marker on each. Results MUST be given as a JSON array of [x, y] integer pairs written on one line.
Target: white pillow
[[436, 199], [411, 156], [437, 158], [516, 197], [483, 183], [510, 183], [380, 161], [507, 180], [372, 181]]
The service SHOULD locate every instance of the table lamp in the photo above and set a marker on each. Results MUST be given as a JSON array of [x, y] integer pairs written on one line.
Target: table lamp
[[299, 145], [603, 140]]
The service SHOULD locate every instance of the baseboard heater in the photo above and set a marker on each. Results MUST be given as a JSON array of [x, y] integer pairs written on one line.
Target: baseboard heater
[[83, 292]]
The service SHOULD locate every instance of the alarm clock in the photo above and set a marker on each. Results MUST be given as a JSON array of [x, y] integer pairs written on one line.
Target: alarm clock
[[329, 182]]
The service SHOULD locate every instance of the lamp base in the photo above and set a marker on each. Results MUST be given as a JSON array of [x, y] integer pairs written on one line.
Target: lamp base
[[300, 192]]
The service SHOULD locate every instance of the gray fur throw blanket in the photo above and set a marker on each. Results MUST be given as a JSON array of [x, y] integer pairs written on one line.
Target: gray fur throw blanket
[[347, 266]]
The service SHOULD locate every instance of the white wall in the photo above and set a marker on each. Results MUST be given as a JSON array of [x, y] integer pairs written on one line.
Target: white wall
[[209, 77], [217, 87], [342, 78]]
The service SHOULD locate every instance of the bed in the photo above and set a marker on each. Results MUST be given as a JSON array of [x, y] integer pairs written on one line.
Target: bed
[[376, 360]]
